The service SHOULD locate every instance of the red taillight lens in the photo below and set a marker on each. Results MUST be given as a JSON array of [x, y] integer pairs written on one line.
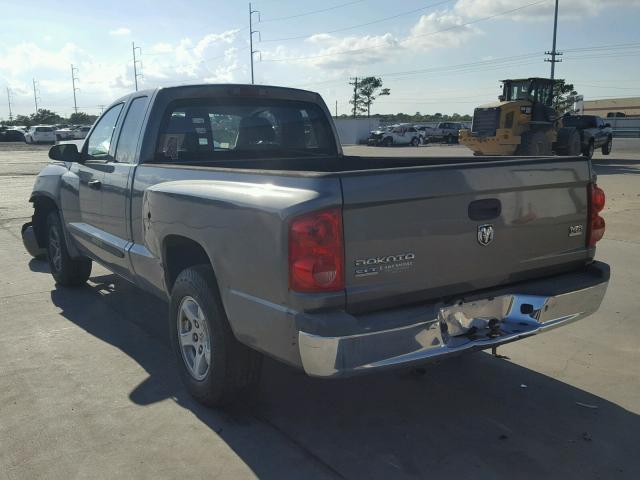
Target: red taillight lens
[[316, 257], [596, 225]]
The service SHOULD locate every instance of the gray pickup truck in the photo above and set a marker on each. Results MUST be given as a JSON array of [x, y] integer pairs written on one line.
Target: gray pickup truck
[[237, 204]]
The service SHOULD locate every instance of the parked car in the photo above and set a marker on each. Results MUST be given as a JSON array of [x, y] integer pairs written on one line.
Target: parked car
[[40, 134], [81, 132], [237, 205], [446, 132], [63, 134], [10, 134], [403, 134], [594, 133]]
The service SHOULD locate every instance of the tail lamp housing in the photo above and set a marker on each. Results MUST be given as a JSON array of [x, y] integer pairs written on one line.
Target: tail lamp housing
[[316, 252], [596, 224]]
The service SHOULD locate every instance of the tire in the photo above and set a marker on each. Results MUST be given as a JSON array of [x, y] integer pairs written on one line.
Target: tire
[[568, 142], [231, 367], [588, 152], [415, 141], [67, 271], [534, 144], [606, 148], [387, 142], [449, 140]]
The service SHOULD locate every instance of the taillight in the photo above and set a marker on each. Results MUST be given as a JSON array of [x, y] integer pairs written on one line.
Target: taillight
[[595, 225], [316, 257]]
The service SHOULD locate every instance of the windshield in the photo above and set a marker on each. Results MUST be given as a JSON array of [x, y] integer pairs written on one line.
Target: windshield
[[517, 91], [243, 128]]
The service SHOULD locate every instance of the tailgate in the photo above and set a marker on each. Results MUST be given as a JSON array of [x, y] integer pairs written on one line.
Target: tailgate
[[438, 231]]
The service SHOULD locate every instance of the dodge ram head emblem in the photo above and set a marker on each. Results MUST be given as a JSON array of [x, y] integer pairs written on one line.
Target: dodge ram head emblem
[[485, 234]]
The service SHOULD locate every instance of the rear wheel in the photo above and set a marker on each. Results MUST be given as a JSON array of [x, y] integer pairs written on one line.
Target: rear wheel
[[387, 142], [415, 141], [214, 366], [588, 152], [534, 144], [66, 271], [606, 148]]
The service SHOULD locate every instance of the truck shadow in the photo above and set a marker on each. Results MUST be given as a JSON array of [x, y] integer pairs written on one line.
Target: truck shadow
[[472, 417], [615, 166]]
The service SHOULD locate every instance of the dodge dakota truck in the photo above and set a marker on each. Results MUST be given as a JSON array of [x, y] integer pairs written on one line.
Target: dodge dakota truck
[[237, 205]]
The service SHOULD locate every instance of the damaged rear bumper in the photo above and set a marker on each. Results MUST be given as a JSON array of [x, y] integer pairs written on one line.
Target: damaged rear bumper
[[466, 325]]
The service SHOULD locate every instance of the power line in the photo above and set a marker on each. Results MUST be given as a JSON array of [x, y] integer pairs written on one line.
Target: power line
[[362, 24], [313, 12], [411, 37]]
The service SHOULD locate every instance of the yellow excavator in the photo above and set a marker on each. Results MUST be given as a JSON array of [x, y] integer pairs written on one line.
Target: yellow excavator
[[522, 122]]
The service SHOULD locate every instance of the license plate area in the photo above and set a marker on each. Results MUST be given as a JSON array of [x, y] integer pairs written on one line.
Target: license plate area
[[490, 318]]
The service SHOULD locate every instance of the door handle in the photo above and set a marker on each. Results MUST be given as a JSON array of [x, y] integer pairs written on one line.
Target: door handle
[[486, 209], [95, 184]]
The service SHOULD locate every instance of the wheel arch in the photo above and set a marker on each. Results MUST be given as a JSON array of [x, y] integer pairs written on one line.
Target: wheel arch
[[43, 204], [180, 252]]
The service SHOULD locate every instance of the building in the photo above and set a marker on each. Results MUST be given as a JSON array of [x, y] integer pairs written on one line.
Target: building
[[612, 107]]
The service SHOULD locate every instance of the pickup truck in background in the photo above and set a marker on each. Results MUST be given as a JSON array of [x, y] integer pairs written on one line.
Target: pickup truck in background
[[594, 133], [446, 132], [237, 205]]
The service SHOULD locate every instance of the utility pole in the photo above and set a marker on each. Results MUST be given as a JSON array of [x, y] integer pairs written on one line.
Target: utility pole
[[336, 108], [251, 32], [355, 95], [9, 101], [135, 64], [35, 95], [554, 53], [101, 109], [74, 72]]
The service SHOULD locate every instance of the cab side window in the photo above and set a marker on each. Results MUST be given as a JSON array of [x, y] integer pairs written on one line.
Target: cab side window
[[130, 132], [99, 142]]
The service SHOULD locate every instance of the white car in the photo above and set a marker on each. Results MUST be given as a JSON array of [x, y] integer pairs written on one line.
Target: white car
[[40, 134], [397, 135], [80, 132]]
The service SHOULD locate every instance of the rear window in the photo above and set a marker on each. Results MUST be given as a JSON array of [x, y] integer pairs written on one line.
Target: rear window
[[44, 129], [243, 128], [579, 122]]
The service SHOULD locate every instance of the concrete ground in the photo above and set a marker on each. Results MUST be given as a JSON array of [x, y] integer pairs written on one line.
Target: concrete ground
[[88, 387]]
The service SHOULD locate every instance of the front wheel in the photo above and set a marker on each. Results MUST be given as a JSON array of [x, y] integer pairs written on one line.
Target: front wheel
[[213, 365], [66, 271], [606, 148]]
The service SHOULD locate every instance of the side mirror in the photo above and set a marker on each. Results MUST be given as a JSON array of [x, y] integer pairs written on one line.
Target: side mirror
[[607, 125], [501, 98], [65, 152]]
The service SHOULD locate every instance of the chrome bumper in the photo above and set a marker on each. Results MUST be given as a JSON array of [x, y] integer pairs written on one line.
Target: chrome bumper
[[457, 328]]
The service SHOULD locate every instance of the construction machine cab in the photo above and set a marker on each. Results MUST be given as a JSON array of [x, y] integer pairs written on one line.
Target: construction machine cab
[[534, 90]]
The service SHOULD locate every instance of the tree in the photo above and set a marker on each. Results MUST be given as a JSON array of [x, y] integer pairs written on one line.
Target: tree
[[366, 91], [82, 118], [45, 117], [564, 96]]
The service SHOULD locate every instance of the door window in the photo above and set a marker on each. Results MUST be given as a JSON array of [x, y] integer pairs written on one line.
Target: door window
[[128, 141], [100, 140]]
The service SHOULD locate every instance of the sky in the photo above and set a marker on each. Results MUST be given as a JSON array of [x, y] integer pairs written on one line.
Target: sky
[[434, 55]]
